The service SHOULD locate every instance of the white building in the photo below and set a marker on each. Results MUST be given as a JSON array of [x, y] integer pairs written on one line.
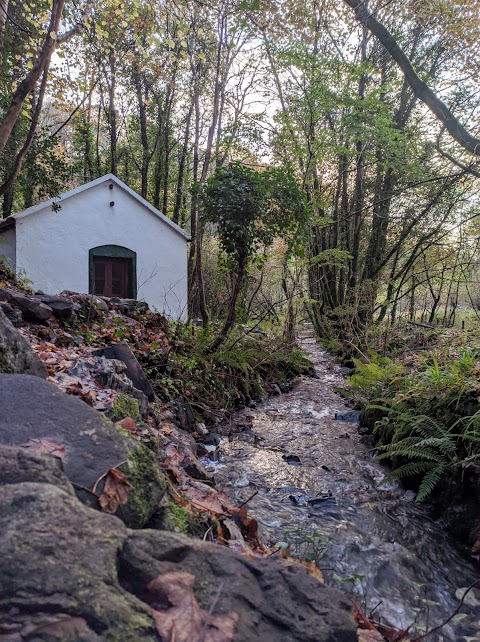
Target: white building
[[105, 239]]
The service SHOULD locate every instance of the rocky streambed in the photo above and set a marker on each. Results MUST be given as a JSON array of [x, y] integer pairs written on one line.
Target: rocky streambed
[[316, 484]]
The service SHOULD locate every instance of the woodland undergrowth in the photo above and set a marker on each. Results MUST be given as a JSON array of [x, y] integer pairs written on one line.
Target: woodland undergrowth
[[420, 390]]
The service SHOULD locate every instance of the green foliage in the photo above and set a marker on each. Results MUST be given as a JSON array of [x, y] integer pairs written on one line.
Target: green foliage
[[425, 443], [370, 378], [307, 544], [123, 407], [250, 209], [243, 370], [427, 446], [6, 270], [430, 405]]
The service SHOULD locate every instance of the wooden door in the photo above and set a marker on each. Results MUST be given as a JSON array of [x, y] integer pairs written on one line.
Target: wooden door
[[110, 276]]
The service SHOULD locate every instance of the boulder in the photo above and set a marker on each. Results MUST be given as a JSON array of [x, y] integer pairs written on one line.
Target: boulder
[[31, 308], [19, 465], [89, 305], [36, 414], [16, 354], [134, 372], [12, 314], [273, 600], [111, 373], [63, 309], [127, 305], [58, 563], [71, 574]]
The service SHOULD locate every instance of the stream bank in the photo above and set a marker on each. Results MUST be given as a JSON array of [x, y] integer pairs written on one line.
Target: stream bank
[[315, 478]]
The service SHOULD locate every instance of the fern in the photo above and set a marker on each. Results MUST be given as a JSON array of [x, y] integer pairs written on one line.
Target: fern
[[430, 480], [431, 448]]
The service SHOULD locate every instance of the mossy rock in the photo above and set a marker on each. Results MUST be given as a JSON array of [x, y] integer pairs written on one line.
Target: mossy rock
[[37, 412], [148, 483], [177, 519], [124, 406]]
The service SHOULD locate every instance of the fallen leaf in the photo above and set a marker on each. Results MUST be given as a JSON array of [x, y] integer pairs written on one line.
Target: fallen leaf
[[313, 569], [46, 446], [129, 425], [234, 531], [115, 492], [178, 615], [369, 636]]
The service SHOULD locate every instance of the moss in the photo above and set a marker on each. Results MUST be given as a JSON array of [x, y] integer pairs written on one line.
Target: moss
[[123, 407], [147, 480], [181, 520], [4, 365]]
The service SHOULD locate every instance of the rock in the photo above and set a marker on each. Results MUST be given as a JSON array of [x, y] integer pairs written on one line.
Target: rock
[[134, 372], [201, 429], [13, 315], [63, 309], [111, 373], [275, 390], [71, 574], [212, 440], [36, 413], [90, 305], [292, 460], [273, 600], [127, 305], [31, 309], [19, 465], [58, 557], [250, 437], [16, 354], [351, 416]]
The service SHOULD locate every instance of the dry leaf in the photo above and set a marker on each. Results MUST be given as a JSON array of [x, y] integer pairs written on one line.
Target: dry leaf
[[46, 446], [234, 531], [313, 569], [129, 425], [178, 615], [369, 636], [115, 492]]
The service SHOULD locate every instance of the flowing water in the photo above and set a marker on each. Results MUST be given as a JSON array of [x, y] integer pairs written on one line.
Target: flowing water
[[317, 480]]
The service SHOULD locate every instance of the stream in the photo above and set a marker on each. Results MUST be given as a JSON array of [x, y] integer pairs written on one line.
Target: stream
[[317, 484]]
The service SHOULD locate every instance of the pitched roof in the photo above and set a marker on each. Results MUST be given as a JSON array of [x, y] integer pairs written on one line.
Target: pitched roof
[[111, 178]]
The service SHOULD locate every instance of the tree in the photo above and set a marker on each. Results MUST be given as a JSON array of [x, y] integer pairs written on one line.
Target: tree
[[40, 65], [248, 210], [419, 87]]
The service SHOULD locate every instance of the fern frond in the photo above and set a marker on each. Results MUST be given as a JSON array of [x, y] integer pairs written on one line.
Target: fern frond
[[430, 480]]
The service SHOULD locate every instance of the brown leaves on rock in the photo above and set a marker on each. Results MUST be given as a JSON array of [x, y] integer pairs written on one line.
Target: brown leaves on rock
[[178, 615], [115, 492], [46, 446], [369, 636], [236, 529], [129, 425]]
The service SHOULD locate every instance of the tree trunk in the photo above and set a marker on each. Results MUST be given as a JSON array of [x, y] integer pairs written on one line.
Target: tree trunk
[[3, 21], [232, 309], [112, 116], [181, 168]]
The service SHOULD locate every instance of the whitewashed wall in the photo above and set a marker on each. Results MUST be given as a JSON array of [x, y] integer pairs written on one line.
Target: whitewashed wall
[[53, 247], [7, 246]]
